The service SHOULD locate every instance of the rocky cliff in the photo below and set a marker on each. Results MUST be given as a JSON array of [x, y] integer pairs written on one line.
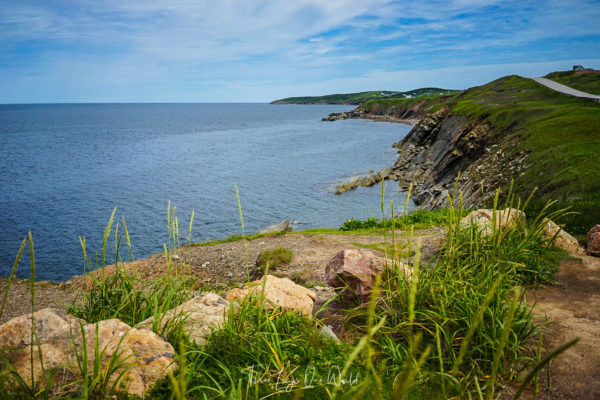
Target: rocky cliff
[[441, 147], [445, 146]]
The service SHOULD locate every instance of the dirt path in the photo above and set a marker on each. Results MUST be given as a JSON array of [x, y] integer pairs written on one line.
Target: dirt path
[[573, 310]]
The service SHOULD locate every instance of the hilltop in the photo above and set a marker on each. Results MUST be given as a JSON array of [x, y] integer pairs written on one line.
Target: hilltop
[[511, 129], [361, 97], [587, 80]]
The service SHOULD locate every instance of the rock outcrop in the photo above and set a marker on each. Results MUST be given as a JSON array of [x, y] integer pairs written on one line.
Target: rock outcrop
[[58, 341], [442, 145], [560, 238], [592, 241], [278, 292], [354, 271], [408, 114], [283, 226], [198, 316], [483, 219]]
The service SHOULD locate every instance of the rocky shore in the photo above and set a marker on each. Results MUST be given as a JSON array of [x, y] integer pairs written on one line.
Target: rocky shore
[[442, 150]]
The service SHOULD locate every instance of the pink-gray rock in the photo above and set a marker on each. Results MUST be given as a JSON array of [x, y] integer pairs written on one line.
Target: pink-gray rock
[[59, 340], [592, 241], [482, 218], [279, 292], [199, 317], [560, 238], [354, 272]]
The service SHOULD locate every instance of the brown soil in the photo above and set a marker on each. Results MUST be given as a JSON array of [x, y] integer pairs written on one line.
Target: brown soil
[[571, 308]]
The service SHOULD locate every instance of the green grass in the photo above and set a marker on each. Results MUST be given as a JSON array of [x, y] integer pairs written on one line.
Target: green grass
[[458, 326], [586, 81], [274, 258], [359, 98]]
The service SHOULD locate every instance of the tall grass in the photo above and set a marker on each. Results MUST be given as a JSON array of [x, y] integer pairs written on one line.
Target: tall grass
[[457, 325]]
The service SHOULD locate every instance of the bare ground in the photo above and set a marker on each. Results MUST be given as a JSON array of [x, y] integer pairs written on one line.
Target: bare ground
[[572, 308]]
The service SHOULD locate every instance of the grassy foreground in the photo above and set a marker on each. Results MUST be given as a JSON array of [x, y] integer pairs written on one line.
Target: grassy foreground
[[456, 326]]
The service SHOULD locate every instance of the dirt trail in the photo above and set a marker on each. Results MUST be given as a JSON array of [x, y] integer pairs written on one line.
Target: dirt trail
[[573, 310]]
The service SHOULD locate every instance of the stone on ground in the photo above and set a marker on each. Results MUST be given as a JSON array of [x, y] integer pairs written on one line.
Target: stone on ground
[[561, 239], [280, 292], [482, 218], [58, 334], [354, 272], [199, 317], [592, 241]]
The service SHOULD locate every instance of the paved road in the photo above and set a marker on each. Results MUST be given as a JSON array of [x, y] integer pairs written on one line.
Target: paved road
[[564, 89]]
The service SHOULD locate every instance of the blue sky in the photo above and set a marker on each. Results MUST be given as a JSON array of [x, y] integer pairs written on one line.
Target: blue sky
[[258, 51]]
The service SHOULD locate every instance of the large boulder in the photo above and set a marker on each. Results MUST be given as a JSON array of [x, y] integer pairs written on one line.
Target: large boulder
[[58, 342], [482, 218], [354, 272], [592, 241], [279, 292], [199, 317], [560, 238]]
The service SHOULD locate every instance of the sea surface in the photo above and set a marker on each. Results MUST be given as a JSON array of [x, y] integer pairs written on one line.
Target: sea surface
[[65, 167]]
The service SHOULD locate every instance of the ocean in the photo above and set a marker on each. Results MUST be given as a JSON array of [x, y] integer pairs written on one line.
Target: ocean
[[65, 167]]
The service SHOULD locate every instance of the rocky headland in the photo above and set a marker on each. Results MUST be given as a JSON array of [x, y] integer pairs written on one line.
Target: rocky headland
[[483, 139]]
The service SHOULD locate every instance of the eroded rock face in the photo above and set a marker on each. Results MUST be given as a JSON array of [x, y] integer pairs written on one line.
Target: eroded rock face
[[482, 218], [560, 238], [354, 271], [281, 292], [58, 335], [199, 317], [592, 241]]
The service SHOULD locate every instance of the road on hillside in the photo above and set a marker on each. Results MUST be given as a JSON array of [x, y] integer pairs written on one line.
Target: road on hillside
[[564, 89]]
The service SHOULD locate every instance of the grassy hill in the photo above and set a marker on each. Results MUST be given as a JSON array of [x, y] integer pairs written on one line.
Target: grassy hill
[[361, 97], [586, 81], [560, 135]]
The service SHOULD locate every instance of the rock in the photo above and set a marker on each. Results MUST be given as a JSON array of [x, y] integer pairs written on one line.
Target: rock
[[283, 226], [148, 357], [560, 238], [280, 292], [199, 316], [505, 219], [592, 241], [355, 271]]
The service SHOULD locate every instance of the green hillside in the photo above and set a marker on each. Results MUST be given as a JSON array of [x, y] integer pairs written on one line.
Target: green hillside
[[586, 80], [359, 98], [560, 134]]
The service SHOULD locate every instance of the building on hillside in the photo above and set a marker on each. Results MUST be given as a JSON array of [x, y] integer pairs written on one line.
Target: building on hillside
[[578, 67]]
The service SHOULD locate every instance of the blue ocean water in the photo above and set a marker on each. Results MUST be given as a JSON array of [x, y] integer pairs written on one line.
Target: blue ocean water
[[64, 167]]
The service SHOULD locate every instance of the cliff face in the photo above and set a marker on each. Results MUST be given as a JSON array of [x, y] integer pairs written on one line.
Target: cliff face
[[442, 146]]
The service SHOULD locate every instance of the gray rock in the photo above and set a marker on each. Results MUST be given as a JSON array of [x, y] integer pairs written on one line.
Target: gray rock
[[283, 226]]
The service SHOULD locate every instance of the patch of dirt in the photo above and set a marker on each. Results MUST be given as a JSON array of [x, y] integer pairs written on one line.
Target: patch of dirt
[[47, 294], [573, 311]]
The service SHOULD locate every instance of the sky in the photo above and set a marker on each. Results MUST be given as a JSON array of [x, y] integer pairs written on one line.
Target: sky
[[259, 51]]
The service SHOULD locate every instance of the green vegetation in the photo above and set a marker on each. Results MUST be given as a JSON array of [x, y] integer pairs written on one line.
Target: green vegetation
[[359, 98], [559, 133], [586, 81], [455, 328], [418, 219], [274, 258]]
